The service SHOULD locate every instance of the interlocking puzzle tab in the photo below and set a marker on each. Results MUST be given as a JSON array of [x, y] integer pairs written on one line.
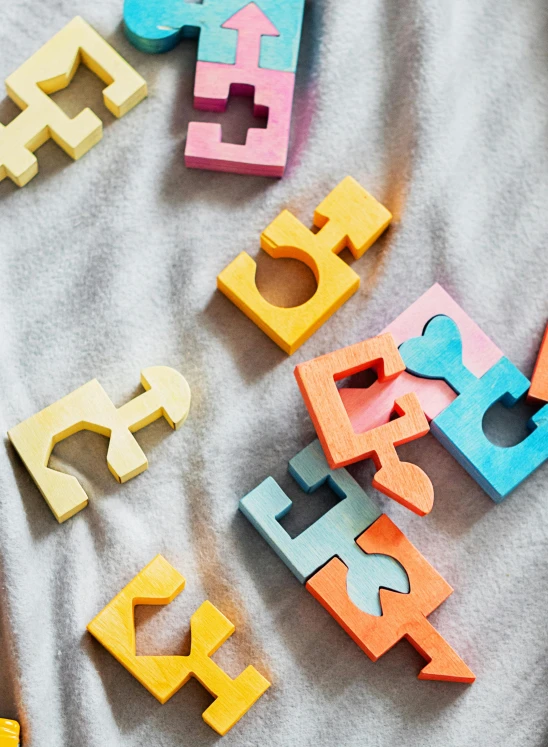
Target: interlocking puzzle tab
[[49, 70], [9, 733], [539, 381], [403, 615], [459, 427], [348, 217], [368, 408], [331, 535], [378, 587], [158, 584], [242, 50], [167, 395], [404, 482]]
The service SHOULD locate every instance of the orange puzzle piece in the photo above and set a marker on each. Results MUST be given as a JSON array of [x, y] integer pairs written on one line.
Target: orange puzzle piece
[[403, 615], [404, 482], [538, 392]]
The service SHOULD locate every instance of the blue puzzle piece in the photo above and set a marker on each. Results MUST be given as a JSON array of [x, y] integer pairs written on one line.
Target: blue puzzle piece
[[459, 428], [334, 534], [438, 354], [155, 26]]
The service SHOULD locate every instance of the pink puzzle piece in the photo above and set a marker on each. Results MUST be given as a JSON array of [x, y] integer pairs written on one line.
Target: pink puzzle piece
[[265, 150], [369, 408]]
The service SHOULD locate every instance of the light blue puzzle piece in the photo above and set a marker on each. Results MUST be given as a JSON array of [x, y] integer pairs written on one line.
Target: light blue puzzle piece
[[155, 26], [334, 534]]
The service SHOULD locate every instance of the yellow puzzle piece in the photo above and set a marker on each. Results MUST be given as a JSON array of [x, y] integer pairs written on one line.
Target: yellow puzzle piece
[[348, 217], [90, 408], [159, 583], [9, 733], [49, 70]]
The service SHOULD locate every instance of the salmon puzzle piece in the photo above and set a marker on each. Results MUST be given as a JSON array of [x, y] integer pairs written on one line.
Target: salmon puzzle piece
[[368, 408], [404, 482], [347, 217], [539, 382], [265, 150], [403, 615], [90, 408], [158, 584], [437, 354], [9, 733], [49, 70]]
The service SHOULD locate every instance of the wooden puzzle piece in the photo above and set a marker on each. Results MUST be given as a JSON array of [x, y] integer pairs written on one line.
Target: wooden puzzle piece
[[368, 408], [158, 584], [331, 535], [404, 482], [265, 150], [9, 733], [403, 615], [498, 469], [167, 395], [155, 26], [49, 70], [348, 217], [539, 382]]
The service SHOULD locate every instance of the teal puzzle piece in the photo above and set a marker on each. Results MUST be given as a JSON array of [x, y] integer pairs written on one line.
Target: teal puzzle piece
[[459, 427], [334, 534], [155, 26]]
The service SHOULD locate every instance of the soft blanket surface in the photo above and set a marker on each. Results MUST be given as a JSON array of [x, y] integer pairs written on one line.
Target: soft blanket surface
[[108, 266]]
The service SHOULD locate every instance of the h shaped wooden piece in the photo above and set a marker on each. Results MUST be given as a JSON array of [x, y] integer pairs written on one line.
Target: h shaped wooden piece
[[403, 615], [9, 733], [49, 70], [333, 534], [459, 427], [404, 482], [90, 408], [348, 217], [158, 584]]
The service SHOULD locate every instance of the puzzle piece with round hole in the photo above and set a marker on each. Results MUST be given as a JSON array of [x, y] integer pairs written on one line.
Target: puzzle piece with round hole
[[167, 395], [49, 70], [158, 584], [348, 217], [406, 483], [332, 535], [459, 427]]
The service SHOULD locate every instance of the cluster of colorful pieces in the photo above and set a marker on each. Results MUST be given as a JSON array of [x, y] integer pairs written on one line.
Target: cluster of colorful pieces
[[167, 395], [357, 563], [243, 49], [247, 49]]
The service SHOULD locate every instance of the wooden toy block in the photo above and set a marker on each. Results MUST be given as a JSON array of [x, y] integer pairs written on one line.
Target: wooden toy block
[[348, 217], [331, 535], [368, 408], [49, 70], [403, 615], [158, 584], [539, 382], [9, 733], [404, 482], [89, 408], [155, 26], [459, 427]]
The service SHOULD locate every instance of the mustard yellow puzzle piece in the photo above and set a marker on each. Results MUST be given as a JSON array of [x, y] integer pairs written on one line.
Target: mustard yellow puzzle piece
[[49, 70], [348, 217], [159, 583], [9, 733], [90, 408]]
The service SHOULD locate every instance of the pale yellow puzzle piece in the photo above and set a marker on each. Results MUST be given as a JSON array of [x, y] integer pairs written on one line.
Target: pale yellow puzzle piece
[[348, 217], [158, 584], [9, 733], [90, 408], [49, 70]]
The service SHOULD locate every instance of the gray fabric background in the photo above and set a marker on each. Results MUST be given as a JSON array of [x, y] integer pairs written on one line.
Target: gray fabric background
[[108, 265]]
